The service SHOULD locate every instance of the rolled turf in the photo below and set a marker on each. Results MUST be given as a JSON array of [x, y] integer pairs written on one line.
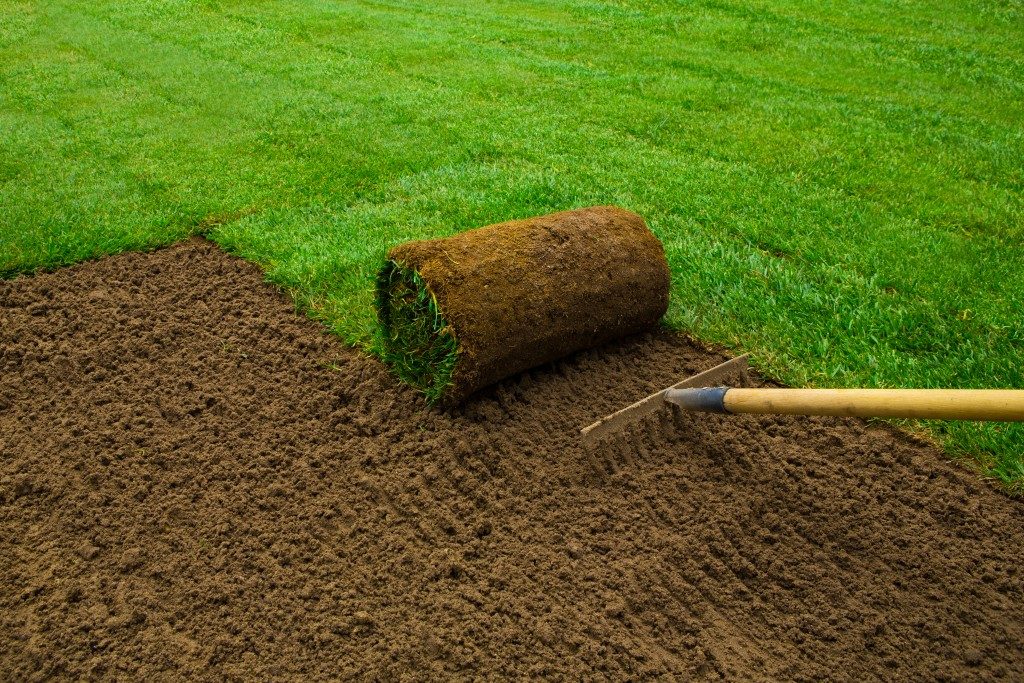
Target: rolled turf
[[460, 313]]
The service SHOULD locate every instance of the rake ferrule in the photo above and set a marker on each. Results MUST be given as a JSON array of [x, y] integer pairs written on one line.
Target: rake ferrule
[[704, 400]]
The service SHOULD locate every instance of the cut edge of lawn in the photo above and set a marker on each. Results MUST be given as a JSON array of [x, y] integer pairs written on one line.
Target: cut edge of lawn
[[202, 227], [367, 339], [981, 463]]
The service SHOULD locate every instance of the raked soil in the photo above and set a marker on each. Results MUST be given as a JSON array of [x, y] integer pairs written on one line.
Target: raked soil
[[197, 482]]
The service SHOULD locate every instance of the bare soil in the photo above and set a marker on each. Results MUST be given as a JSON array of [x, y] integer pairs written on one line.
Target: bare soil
[[197, 482]]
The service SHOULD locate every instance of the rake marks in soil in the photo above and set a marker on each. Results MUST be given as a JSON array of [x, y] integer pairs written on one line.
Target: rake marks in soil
[[188, 484]]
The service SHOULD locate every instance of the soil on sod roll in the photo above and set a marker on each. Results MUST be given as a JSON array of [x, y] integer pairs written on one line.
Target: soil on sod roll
[[460, 313], [196, 480]]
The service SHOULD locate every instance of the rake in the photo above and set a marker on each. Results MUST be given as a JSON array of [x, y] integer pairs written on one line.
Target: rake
[[698, 394]]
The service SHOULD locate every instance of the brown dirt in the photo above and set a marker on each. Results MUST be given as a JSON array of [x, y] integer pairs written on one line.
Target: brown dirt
[[196, 481], [522, 293]]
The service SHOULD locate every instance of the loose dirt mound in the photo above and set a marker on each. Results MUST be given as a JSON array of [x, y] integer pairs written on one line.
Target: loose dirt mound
[[194, 479]]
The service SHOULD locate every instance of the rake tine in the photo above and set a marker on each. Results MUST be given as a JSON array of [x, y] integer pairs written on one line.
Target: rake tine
[[653, 403]]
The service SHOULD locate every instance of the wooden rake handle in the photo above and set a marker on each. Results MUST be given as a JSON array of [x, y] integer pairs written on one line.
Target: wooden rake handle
[[940, 404]]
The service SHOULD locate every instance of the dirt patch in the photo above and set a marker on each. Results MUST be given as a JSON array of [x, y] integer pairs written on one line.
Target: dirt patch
[[196, 480], [519, 294]]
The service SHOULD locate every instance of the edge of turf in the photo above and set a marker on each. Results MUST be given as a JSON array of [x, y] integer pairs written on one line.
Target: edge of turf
[[980, 462]]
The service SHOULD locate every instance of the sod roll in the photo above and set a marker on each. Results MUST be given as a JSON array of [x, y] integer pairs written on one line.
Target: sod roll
[[460, 313]]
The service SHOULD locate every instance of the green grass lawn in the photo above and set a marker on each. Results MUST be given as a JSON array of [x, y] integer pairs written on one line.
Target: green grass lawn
[[838, 184]]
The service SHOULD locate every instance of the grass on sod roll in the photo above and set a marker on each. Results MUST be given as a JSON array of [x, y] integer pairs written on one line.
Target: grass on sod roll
[[413, 336], [838, 185]]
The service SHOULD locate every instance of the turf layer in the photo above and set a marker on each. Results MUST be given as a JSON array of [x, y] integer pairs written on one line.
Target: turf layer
[[838, 186]]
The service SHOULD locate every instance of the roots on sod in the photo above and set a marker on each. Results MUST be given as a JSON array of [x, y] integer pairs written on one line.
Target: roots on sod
[[413, 336]]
